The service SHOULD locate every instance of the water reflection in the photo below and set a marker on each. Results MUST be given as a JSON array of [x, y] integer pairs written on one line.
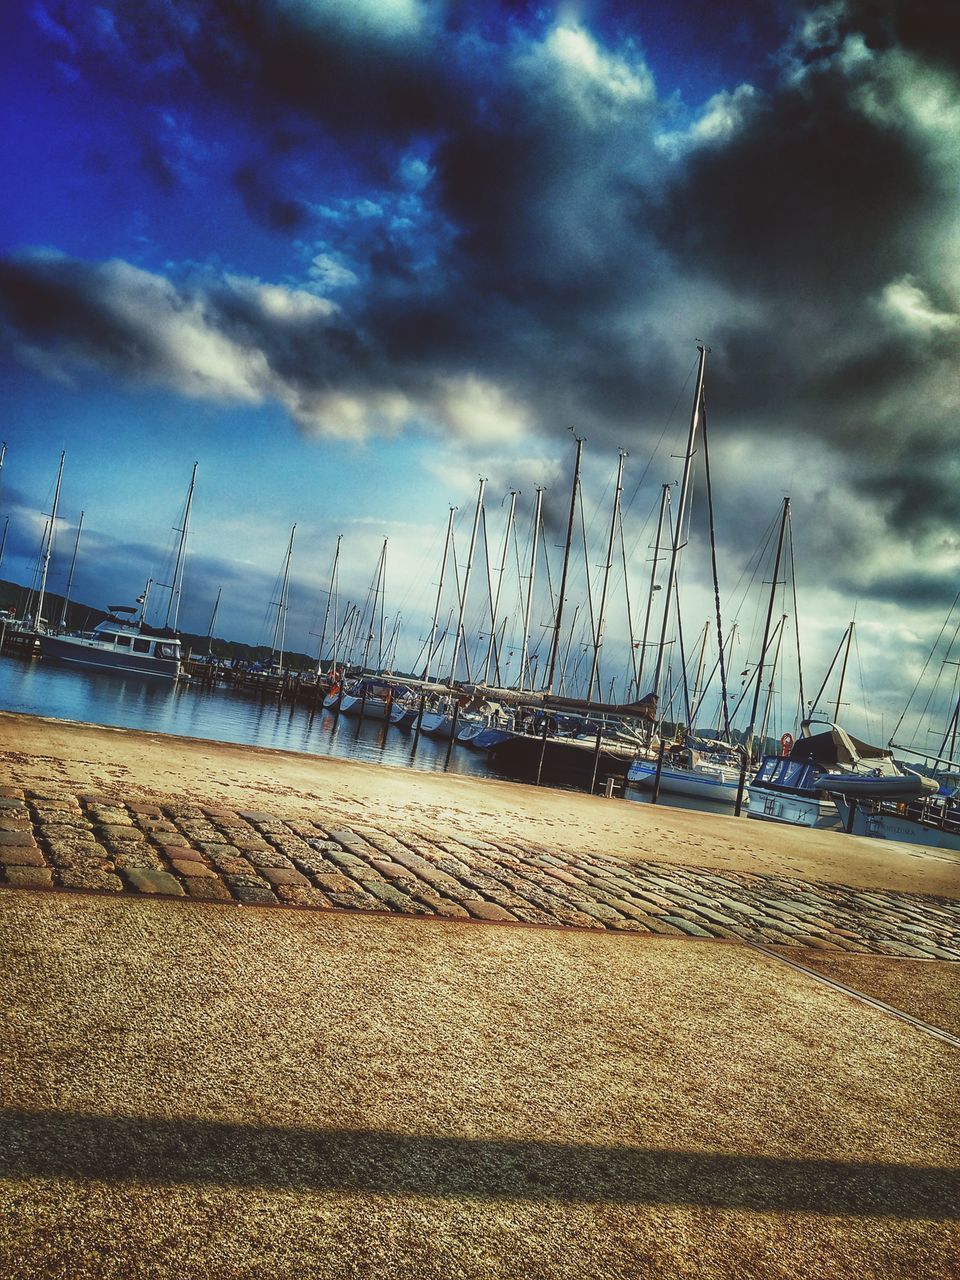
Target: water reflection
[[223, 714], [33, 687]]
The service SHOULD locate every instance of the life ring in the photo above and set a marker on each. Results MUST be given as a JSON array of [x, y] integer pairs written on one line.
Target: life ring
[[786, 744]]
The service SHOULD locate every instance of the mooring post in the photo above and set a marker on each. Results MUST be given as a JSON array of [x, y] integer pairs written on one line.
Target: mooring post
[[656, 779], [543, 749], [453, 732], [596, 762], [851, 814]]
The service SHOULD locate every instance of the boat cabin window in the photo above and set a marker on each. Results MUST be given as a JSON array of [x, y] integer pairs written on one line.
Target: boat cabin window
[[124, 640], [141, 646]]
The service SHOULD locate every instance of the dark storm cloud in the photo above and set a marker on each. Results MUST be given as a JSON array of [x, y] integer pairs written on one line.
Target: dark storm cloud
[[579, 233]]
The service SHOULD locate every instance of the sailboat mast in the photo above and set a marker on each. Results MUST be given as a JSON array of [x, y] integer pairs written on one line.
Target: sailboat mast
[[695, 700], [174, 602], [436, 608], [73, 565], [664, 499], [326, 612], [48, 549], [525, 655], [373, 608], [383, 604], [843, 672], [458, 639], [3, 540], [495, 602], [748, 742], [555, 645], [213, 620], [678, 529], [598, 638], [280, 627], [773, 675]]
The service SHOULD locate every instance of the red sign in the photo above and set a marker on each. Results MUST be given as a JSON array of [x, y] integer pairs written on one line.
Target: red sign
[[786, 744]]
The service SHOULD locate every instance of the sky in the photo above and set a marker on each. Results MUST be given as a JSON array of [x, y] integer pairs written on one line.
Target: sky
[[350, 259]]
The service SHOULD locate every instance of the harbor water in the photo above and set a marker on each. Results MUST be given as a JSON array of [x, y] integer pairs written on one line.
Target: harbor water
[[188, 709]]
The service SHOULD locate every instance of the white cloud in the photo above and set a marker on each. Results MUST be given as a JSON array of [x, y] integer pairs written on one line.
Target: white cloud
[[721, 118], [904, 302], [600, 85]]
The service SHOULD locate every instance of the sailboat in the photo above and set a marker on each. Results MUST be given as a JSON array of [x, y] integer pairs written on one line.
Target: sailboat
[[122, 642], [371, 696], [707, 770]]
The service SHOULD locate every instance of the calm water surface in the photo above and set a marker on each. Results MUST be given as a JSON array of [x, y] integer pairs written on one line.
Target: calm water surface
[[223, 714]]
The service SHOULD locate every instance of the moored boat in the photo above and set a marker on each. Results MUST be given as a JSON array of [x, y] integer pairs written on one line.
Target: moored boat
[[699, 778], [797, 788], [118, 645]]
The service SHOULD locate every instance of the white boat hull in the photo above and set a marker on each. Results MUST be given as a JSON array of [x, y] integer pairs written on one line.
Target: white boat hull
[[714, 784], [371, 709], [795, 810], [436, 724]]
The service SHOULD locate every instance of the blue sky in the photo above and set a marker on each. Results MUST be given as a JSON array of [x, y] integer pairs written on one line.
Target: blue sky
[[350, 258]]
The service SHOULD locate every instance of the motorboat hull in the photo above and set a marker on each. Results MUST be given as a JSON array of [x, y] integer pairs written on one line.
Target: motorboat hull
[[79, 652], [792, 808]]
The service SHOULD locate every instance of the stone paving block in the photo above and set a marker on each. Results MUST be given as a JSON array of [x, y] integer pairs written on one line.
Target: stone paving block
[[137, 859], [263, 859], [89, 878], [184, 867], [355, 902], [15, 823], [16, 840], [116, 831], [109, 817], [335, 882], [284, 875], [687, 926], [236, 867], [11, 798], [22, 856], [394, 898], [145, 880], [295, 895], [489, 911], [209, 890], [71, 834], [177, 853], [30, 877], [252, 894], [171, 839]]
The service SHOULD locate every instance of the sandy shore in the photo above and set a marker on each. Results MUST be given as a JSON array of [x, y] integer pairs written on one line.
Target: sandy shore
[[37, 750]]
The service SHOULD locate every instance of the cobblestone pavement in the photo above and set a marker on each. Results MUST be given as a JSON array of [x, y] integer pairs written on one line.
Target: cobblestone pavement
[[53, 838]]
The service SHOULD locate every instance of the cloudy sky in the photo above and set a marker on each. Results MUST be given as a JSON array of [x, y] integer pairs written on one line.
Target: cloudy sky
[[350, 258]]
